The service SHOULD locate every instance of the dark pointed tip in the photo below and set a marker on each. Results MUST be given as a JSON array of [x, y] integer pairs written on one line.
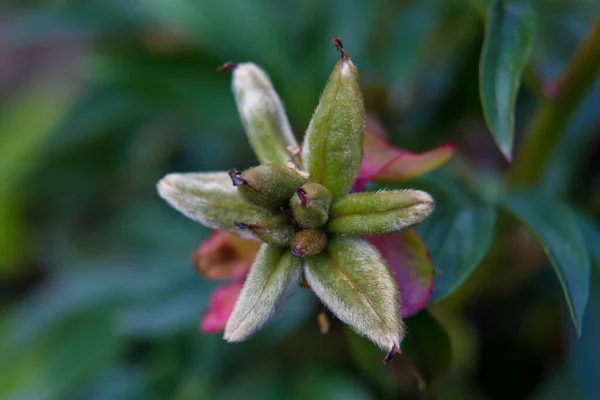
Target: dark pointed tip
[[297, 253], [391, 354], [302, 196], [337, 42], [227, 67], [236, 177], [241, 225]]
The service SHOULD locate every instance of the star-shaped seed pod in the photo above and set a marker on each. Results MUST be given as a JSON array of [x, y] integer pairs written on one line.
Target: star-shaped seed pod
[[312, 228]]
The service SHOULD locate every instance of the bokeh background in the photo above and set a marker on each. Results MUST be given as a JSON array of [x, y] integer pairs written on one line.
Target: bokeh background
[[101, 98]]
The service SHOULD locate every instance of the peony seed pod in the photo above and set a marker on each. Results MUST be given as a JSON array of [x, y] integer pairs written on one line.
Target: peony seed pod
[[332, 149], [271, 229], [309, 242], [379, 213], [269, 186], [310, 205], [262, 114]]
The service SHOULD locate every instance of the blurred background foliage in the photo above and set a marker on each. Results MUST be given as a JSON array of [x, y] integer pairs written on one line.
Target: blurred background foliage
[[101, 98]]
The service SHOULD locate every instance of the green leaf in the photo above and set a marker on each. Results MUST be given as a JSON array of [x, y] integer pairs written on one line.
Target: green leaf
[[506, 49], [457, 238], [379, 213], [583, 350], [332, 149], [591, 235], [262, 114], [555, 226], [208, 198], [273, 278], [353, 281]]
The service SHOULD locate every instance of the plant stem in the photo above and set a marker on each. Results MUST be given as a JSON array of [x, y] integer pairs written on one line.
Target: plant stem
[[552, 115]]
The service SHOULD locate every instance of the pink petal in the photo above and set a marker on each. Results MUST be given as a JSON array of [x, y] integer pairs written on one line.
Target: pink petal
[[224, 255], [408, 259], [386, 163], [220, 307]]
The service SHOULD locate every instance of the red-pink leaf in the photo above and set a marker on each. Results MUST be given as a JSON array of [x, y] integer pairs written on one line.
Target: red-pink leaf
[[408, 259], [224, 255], [220, 307], [385, 163]]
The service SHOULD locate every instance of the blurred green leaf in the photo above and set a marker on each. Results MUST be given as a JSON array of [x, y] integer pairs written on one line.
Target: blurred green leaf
[[506, 49], [559, 386], [25, 126], [63, 360], [256, 21], [117, 382], [95, 285], [457, 238], [328, 385], [555, 226], [170, 314], [585, 364], [263, 382], [428, 346], [367, 359]]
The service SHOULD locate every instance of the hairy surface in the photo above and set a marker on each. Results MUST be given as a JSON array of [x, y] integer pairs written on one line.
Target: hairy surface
[[333, 143], [262, 114], [353, 281], [208, 198], [379, 213], [272, 280]]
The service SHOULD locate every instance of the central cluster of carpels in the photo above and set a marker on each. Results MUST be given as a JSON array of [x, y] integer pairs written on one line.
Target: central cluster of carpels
[[295, 210]]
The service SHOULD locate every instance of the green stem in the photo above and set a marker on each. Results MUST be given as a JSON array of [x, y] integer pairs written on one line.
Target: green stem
[[552, 115]]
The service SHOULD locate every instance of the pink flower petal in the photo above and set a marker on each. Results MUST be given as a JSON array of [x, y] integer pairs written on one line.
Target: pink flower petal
[[409, 260], [386, 163], [220, 307], [224, 255]]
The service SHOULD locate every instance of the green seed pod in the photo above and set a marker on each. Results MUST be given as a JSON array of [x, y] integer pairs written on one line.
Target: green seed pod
[[355, 283], [332, 149], [269, 186], [262, 114], [272, 229], [379, 213], [310, 205], [209, 199], [309, 242], [273, 278]]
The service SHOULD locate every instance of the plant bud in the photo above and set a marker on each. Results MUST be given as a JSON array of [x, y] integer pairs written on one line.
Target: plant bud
[[310, 205], [308, 243], [262, 114], [333, 143], [271, 229], [379, 213], [269, 186]]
